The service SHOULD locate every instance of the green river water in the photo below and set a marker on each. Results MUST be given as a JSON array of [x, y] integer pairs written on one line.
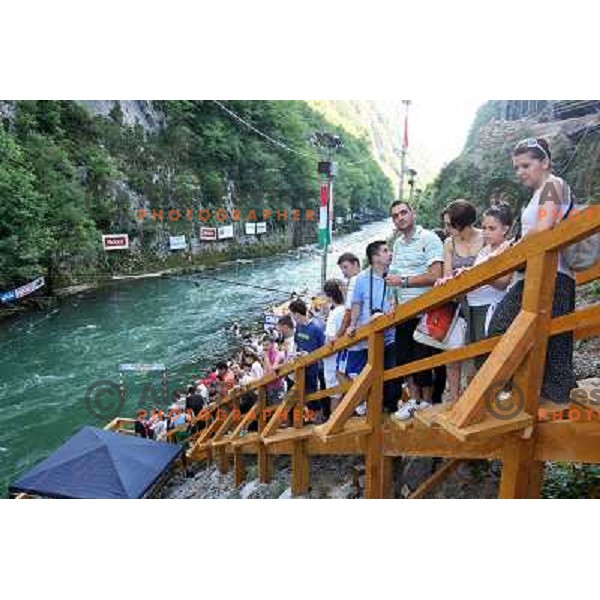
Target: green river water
[[49, 360]]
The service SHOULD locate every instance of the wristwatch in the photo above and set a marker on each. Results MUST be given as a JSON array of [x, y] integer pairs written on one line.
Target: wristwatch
[[404, 281]]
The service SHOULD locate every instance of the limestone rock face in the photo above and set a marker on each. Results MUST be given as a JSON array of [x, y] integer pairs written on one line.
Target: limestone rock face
[[135, 112]]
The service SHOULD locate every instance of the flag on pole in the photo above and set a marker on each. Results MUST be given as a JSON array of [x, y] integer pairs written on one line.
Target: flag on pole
[[324, 230], [405, 137]]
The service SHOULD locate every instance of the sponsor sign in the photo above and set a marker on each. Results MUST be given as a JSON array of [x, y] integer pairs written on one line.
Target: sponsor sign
[[250, 228], [261, 227], [115, 241], [208, 233], [177, 242], [269, 321], [225, 232]]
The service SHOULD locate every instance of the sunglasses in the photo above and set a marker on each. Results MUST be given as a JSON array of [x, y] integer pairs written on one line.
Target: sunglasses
[[531, 143]]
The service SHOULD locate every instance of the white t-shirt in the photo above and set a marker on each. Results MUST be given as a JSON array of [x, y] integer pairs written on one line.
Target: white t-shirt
[[350, 292], [531, 216], [486, 294], [334, 323]]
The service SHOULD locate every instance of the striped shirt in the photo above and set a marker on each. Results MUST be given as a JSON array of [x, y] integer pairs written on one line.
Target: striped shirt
[[414, 256]]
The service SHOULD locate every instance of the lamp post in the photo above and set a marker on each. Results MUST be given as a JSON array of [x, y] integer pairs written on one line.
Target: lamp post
[[404, 149], [328, 144]]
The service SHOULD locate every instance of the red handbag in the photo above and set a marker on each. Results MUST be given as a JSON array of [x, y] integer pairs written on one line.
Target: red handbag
[[437, 322]]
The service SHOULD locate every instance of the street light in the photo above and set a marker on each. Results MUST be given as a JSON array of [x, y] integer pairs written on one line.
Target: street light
[[328, 144]]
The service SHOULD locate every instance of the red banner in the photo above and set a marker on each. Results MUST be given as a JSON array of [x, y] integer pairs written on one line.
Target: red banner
[[115, 241], [208, 233]]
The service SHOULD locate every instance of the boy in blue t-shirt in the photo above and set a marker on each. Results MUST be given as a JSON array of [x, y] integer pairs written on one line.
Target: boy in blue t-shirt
[[309, 336]]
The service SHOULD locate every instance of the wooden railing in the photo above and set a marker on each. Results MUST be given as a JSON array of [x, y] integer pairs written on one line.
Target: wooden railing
[[519, 355]]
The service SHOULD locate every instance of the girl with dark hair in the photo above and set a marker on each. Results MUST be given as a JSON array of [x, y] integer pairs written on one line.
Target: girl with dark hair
[[335, 295], [532, 162], [496, 223], [461, 246]]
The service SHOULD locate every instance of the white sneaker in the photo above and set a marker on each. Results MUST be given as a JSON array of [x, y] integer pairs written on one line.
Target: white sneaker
[[405, 411], [421, 405], [361, 409]]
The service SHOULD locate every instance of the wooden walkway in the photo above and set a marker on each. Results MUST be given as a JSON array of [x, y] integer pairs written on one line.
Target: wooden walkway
[[477, 426]]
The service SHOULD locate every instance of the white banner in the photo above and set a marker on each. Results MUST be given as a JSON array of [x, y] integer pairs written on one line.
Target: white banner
[[225, 232], [250, 228], [269, 321], [29, 288], [261, 227], [177, 242]]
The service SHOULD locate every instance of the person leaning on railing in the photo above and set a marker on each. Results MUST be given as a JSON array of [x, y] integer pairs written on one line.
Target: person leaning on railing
[[461, 247], [370, 300], [496, 223], [418, 257], [532, 161]]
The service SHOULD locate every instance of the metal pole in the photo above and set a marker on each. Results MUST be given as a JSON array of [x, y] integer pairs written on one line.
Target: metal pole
[[403, 152], [329, 229]]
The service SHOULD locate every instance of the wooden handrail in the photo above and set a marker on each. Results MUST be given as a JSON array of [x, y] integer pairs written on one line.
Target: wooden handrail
[[564, 234]]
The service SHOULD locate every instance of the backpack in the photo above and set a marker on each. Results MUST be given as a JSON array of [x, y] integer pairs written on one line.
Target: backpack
[[584, 254]]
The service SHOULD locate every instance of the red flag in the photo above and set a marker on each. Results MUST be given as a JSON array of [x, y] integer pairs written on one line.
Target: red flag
[[405, 138], [324, 194]]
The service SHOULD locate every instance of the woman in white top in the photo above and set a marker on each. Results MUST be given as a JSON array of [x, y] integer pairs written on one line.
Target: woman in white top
[[496, 223], [532, 162], [335, 295]]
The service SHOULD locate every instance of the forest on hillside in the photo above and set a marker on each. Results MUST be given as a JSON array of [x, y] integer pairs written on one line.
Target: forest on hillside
[[68, 175], [484, 172]]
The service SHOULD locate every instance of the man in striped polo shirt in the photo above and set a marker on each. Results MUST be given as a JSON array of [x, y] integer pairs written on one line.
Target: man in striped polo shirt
[[417, 262]]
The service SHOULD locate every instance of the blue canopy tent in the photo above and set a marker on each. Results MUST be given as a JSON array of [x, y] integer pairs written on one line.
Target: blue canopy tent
[[96, 463]]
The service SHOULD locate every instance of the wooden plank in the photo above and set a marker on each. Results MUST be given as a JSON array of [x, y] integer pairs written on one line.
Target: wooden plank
[[273, 424], [355, 429], [568, 441], [374, 467], [338, 389], [389, 476], [588, 275], [502, 363], [248, 418], [239, 468], [246, 440], [489, 427], [300, 468], [520, 473], [225, 426], [420, 441], [290, 434], [265, 461], [444, 471], [447, 357], [587, 318], [426, 417], [300, 387], [350, 401]]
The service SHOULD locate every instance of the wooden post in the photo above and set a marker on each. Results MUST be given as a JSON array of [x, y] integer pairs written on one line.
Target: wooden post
[[521, 475], [389, 476], [239, 467], [223, 459], [300, 465], [374, 463], [265, 461]]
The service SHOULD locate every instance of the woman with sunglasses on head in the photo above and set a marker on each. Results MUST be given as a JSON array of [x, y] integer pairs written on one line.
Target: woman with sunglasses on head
[[461, 247], [532, 161]]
